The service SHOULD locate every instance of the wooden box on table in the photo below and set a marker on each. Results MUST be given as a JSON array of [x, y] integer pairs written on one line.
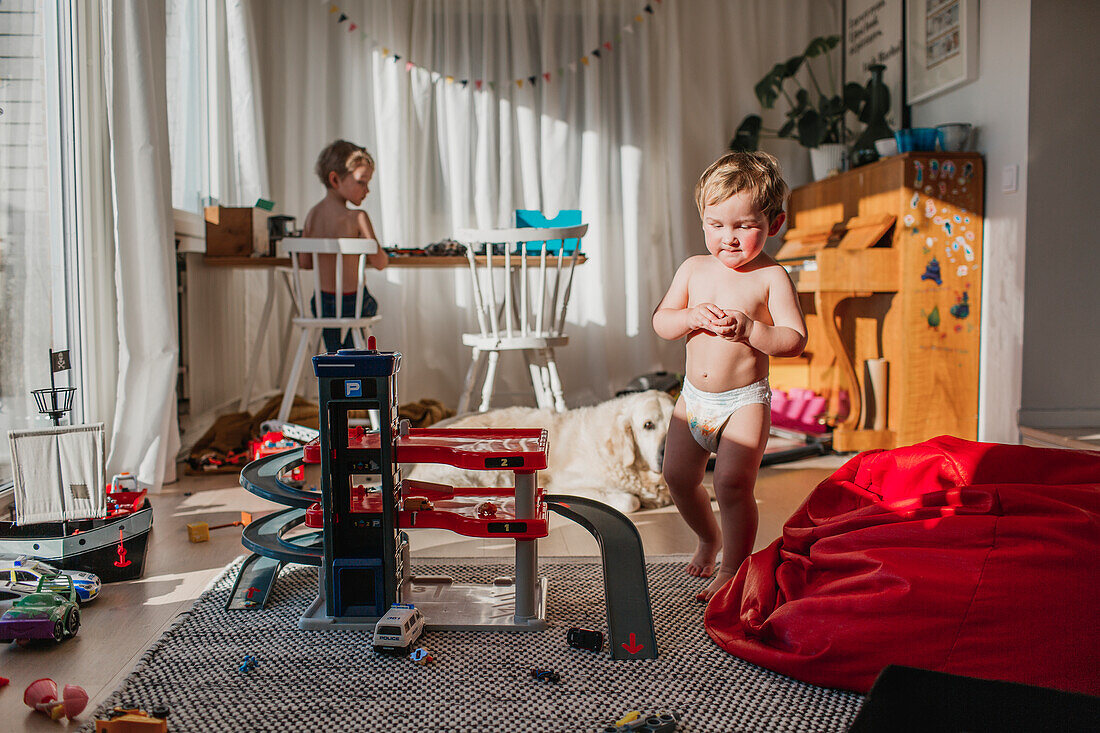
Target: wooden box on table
[[236, 231], [887, 261]]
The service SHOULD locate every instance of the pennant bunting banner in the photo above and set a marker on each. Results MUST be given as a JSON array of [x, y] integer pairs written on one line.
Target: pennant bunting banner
[[548, 76]]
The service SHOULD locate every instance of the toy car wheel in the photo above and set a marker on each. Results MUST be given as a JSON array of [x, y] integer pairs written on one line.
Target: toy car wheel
[[72, 624], [58, 630]]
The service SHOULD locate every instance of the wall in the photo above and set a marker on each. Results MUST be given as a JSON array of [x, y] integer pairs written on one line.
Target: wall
[[1061, 336], [997, 102]]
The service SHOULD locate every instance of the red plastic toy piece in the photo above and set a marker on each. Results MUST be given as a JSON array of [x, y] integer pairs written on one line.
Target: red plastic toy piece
[[272, 443]]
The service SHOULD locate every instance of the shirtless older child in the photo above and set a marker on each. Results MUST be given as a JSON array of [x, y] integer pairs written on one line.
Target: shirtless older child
[[345, 169], [736, 307]]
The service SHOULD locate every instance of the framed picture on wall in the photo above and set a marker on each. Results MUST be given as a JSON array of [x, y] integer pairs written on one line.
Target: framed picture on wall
[[874, 33], [942, 47]]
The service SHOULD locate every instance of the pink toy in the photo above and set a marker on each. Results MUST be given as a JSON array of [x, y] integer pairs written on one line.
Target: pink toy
[[799, 409], [42, 696]]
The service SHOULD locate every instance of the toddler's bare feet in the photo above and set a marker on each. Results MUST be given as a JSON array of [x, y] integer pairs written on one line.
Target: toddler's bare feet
[[701, 564], [719, 580]]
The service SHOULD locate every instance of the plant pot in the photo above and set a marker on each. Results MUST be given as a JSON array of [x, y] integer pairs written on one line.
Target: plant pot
[[826, 159]]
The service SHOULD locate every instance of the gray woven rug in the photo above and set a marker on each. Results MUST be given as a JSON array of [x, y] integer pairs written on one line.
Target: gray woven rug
[[333, 681]]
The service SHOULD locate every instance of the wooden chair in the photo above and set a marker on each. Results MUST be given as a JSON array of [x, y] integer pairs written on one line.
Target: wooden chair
[[306, 285], [520, 298]]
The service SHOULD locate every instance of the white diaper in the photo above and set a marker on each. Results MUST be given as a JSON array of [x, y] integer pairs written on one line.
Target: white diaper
[[708, 412]]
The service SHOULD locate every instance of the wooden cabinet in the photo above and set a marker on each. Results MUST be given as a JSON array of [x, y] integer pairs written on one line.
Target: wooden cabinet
[[887, 260]]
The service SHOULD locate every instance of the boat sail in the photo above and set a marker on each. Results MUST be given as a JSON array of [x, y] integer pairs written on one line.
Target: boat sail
[[62, 512], [59, 473]]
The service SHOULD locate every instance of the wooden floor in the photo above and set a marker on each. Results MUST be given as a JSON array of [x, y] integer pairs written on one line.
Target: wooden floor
[[128, 617]]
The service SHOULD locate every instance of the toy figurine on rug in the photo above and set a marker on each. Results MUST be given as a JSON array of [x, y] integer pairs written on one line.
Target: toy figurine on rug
[[736, 307]]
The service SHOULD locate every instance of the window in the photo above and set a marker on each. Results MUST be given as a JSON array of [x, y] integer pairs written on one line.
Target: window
[[185, 72], [36, 148]]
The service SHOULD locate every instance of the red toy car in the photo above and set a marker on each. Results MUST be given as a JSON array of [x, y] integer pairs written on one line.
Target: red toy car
[[272, 443]]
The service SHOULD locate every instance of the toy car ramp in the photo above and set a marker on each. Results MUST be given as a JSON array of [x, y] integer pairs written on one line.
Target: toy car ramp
[[254, 583], [261, 477], [265, 537], [629, 616]]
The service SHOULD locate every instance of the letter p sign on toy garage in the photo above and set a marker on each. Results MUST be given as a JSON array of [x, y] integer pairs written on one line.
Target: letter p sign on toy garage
[[353, 388]]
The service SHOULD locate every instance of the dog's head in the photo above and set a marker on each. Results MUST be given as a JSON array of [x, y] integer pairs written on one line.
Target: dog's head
[[642, 423]]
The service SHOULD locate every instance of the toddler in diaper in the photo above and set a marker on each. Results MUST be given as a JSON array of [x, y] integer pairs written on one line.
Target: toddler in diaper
[[735, 307]]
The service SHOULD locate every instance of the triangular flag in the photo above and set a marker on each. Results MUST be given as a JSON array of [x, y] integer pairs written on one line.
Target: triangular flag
[[596, 53], [638, 18], [532, 79], [493, 85], [343, 17], [561, 70], [607, 45], [464, 82], [628, 28], [396, 57], [352, 27], [546, 75], [362, 35], [334, 9], [519, 83], [436, 76], [649, 9], [573, 66], [478, 84], [450, 79], [409, 66], [385, 51], [618, 37], [584, 60]]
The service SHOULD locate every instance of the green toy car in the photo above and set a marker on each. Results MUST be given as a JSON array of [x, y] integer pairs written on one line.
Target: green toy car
[[49, 613]]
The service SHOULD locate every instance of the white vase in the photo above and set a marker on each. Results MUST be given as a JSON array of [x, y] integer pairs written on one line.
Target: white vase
[[826, 159]]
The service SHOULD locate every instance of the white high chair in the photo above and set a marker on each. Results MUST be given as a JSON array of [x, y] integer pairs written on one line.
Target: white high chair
[[520, 298], [306, 284]]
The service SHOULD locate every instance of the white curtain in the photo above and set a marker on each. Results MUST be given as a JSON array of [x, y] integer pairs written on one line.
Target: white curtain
[[622, 138], [145, 434]]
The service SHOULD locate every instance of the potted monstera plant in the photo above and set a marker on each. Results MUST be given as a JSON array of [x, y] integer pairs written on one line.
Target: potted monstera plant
[[815, 115]]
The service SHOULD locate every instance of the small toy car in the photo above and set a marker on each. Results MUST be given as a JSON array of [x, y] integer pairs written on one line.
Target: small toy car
[[486, 509], [662, 722], [416, 504], [545, 675], [19, 575], [49, 613], [584, 639], [398, 630], [128, 720]]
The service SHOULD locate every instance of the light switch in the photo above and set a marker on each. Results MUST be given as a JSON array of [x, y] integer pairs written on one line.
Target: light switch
[[1009, 175]]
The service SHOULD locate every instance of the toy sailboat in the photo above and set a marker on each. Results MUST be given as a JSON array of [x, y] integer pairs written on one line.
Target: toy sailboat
[[63, 512]]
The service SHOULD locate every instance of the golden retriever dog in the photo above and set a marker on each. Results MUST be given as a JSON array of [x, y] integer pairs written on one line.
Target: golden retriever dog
[[611, 452]]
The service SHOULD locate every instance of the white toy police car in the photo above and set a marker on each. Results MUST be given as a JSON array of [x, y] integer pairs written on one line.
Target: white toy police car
[[398, 630], [19, 576]]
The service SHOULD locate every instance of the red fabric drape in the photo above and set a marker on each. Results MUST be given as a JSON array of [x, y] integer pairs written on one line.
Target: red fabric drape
[[970, 558]]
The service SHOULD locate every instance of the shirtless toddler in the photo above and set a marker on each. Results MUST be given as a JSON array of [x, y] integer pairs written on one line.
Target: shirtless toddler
[[736, 307]]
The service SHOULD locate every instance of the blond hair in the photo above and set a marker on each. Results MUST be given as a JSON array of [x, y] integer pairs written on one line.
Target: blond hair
[[758, 173], [341, 157]]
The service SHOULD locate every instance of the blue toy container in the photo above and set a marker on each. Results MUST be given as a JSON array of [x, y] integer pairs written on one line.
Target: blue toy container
[[918, 139], [565, 218]]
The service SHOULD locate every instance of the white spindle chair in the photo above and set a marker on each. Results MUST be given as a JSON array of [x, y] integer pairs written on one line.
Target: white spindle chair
[[520, 299], [306, 284]]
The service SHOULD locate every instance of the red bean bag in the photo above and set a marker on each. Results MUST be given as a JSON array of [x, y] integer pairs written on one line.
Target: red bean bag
[[969, 558]]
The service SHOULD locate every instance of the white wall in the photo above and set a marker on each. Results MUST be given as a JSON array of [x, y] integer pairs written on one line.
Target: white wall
[[1061, 335], [997, 102]]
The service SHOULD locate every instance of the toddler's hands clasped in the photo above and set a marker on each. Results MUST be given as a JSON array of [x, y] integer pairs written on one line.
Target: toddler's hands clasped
[[738, 329], [732, 325], [707, 317]]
